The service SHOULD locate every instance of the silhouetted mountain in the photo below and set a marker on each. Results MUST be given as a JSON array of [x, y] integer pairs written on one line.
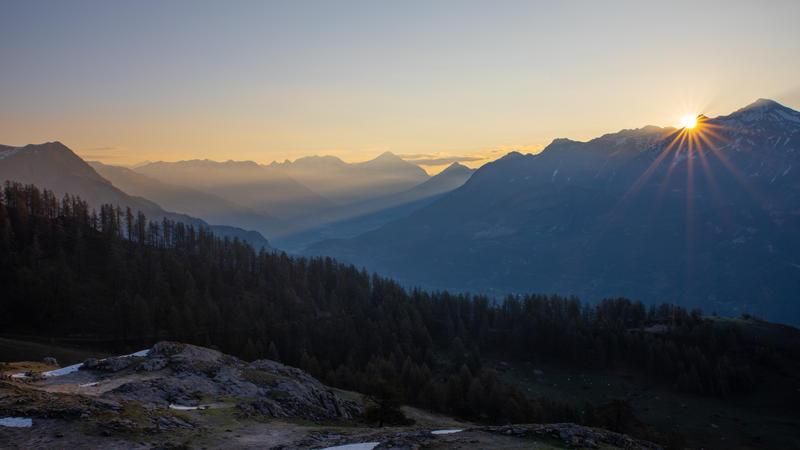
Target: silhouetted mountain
[[209, 207], [54, 166], [351, 220], [306, 193], [453, 177], [351, 182], [709, 217], [449, 179], [265, 190]]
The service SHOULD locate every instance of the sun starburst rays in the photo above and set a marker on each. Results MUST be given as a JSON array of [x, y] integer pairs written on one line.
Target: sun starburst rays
[[692, 151]]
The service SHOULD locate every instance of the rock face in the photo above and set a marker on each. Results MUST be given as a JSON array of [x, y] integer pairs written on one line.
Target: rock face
[[185, 375], [307, 397]]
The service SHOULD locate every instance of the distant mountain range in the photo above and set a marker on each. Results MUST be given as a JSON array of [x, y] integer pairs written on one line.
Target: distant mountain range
[[208, 206], [54, 166], [351, 182], [264, 190], [243, 194], [708, 217], [285, 199]]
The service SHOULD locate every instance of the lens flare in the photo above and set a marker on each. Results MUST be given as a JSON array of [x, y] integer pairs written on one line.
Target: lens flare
[[689, 121]]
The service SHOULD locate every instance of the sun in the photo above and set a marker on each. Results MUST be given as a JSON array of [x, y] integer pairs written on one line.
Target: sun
[[689, 121]]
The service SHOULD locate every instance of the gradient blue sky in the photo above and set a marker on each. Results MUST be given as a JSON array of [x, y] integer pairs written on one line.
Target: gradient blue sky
[[136, 80]]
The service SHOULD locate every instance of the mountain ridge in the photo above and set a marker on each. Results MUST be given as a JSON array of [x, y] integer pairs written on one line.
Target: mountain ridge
[[55, 166], [550, 221], [345, 182]]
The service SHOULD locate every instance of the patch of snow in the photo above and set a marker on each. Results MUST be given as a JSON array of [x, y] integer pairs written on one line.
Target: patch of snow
[[16, 422], [63, 371], [95, 383], [451, 431], [182, 408], [188, 408], [76, 367], [18, 376], [361, 446]]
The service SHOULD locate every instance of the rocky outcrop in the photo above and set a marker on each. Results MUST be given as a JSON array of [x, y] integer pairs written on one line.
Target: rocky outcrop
[[190, 376], [113, 364], [307, 397]]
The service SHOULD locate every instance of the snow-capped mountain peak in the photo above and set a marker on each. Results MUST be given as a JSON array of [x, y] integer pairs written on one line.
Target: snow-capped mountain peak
[[762, 111]]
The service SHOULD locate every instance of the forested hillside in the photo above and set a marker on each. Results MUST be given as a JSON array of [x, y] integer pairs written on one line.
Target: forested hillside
[[114, 279]]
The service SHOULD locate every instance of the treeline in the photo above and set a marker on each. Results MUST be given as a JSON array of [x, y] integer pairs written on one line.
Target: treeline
[[112, 276]]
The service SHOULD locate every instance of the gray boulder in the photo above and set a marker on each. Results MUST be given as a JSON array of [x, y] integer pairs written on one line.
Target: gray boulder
[[189, 375]]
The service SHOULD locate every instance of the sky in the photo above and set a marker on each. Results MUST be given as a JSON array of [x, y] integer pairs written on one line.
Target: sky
[[434, 81]]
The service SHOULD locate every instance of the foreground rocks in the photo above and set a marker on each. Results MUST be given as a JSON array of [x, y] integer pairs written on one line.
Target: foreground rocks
[[183, 396], [188, 376]]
